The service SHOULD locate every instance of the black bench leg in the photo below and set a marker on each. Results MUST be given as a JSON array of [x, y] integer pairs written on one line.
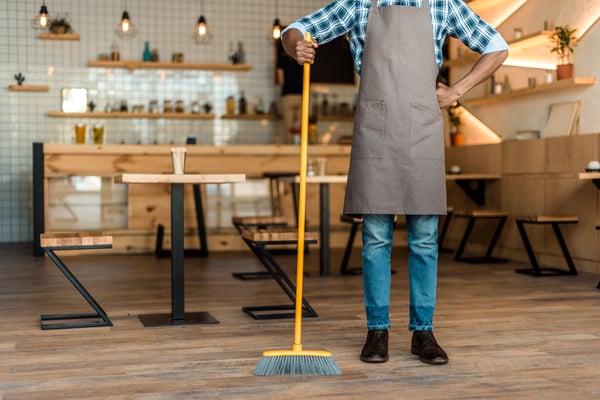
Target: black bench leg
[[564, 248], [99, 314], [535, 269], [487, 258], [443, 233], [261, 312], [464, 240], [344, 270]]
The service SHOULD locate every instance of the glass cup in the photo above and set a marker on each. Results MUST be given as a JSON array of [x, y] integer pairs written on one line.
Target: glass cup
[[98, 133], [321, 166], [80, 130], [178, 160]]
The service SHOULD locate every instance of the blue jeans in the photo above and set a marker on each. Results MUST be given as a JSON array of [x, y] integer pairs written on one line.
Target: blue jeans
[[377, 235]]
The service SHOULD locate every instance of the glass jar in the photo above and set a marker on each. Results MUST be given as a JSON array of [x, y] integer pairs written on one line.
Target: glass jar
[[167, 106], [179, 106]]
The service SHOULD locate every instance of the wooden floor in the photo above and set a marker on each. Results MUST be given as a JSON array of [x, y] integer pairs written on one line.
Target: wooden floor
[[508, 335]]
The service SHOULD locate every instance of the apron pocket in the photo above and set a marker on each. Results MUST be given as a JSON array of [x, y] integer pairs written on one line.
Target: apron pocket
[[426, 131], [368, 138]]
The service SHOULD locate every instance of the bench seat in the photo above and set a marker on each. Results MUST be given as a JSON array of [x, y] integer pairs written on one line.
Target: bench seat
[[51, 242]]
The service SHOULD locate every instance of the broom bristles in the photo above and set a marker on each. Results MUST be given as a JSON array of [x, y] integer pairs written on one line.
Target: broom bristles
[[296, 365]]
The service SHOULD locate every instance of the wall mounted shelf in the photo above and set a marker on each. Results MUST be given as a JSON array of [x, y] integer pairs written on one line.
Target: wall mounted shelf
[[557, 85], [59, 36], [130, 115], [29, 88], [133, 65], [496, 11], [252, 117]]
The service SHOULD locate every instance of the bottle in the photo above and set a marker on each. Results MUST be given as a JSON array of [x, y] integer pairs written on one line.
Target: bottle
[[241, 54], [147, 54], [242, 105], [230, 106]]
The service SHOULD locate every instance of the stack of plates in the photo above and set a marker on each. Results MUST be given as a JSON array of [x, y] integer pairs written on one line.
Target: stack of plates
[[527, 134]]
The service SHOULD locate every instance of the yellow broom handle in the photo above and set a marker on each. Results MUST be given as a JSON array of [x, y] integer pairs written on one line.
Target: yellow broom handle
[[302, 204]]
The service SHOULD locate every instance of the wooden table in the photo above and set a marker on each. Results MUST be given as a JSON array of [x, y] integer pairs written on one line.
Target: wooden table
[[473, 184], [178, 316], [324, 247], [593, 176]]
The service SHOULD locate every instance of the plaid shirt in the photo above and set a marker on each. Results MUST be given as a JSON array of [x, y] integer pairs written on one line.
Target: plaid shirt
[[449, 17]]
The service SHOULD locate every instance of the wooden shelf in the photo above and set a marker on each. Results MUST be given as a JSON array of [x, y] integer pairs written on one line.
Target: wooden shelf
[[28, 88], [59, 36], [133, 65], [557, 85], [252, 117], [130, 115], [335, 118]]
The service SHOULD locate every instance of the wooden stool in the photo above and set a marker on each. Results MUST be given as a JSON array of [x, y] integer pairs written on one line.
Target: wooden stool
[[554, 221], [473, 216], [242, 223], [50, 242], [257, 240]]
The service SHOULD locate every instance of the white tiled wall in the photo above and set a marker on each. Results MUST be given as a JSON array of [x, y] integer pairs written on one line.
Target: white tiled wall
[[167, 26]]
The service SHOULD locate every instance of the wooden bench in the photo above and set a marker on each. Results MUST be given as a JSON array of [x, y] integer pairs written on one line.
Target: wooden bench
[[555, 221], [476, 215], [258, 240], [51, 242], [262, 222]]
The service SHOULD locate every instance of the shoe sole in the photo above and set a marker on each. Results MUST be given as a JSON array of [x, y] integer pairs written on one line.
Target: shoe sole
[[374, 360], [431, 361]]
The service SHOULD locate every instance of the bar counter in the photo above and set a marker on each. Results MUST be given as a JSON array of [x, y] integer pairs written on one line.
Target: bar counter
[[148, 205]]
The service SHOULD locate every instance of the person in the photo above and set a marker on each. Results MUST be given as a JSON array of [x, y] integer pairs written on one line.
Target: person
[[397, 161], [289, 77]]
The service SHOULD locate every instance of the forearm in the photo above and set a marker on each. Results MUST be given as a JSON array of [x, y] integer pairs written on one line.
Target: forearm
[[289, 41], [483, 69]]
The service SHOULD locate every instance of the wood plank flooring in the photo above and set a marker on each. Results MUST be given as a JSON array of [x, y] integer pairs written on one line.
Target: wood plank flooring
[[509, 336]]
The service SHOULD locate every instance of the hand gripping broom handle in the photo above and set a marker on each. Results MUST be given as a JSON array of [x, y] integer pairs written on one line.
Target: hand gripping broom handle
[[302, 204]]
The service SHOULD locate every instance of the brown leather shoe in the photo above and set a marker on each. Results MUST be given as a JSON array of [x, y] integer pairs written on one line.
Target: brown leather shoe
[[425, 346], [375, 349]]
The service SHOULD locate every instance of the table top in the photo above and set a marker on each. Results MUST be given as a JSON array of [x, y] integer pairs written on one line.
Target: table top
[[182, 178], [589, 175], [460, 177]]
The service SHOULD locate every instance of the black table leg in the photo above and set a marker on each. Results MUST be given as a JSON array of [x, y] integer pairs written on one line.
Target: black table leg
[[178, 315], [324, 230]]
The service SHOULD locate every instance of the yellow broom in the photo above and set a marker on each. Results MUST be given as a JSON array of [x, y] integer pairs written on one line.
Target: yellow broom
[[297, 361]]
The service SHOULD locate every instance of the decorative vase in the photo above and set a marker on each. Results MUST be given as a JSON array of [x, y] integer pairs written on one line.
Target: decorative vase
[[457, 139], [564, 71]]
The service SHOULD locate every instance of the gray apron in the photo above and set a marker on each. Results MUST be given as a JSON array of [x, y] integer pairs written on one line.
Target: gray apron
[[397, 158]]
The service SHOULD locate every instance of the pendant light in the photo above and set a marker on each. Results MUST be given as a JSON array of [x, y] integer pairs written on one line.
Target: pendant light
[[201, 33], [41, 21], [126, 29], [276, 33]]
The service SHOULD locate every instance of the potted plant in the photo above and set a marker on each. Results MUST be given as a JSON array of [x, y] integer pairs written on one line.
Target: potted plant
[[455, 110], [563, 40], [60, 24]]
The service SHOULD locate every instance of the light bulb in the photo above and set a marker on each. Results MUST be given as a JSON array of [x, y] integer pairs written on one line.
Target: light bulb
[[276, 29], [125, 28], [41, 21]]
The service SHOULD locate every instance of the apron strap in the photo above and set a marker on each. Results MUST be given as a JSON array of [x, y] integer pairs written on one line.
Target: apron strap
[[425, 3]]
